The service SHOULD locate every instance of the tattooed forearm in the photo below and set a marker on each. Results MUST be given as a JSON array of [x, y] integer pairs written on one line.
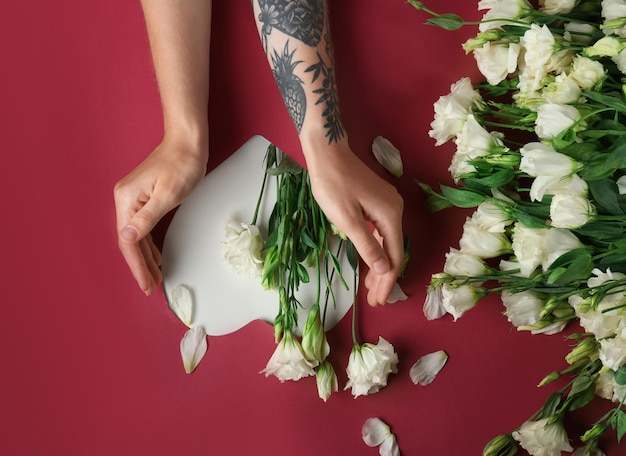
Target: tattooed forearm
[[290, 86], [301, 19], [328, 95]]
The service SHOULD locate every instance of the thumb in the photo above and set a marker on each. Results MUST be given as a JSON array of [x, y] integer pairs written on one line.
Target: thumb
[[371, 251], [143, 221]]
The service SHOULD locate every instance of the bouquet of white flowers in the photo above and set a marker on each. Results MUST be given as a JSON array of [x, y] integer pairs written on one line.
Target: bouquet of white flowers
[[541, 155]]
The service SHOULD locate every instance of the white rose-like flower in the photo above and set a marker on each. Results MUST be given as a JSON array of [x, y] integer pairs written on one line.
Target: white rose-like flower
[[554, 118], [369, 366], [620, 61], [243, 247], [613, 10], [551, 185], [580, 33], [539, 45], [528, 247], [557, 242], [458, 299], [607, 388], [288, 361], [557, 6], [326, 380], [451, 110], [500, 9], [482, 243], [541, 159], [463, 264], [542, 439], [613, 352], [570, 211], [562, 90], [599, 321], [497, 60], [522, 309], [490, 217], [586, 72]]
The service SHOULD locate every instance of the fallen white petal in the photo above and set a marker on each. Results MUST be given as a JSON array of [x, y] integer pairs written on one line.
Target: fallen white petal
[[389, 447], [427, 367], [375, 431], [396, 294], [433, 306], [387, 155], [181, 303], [193, 346]]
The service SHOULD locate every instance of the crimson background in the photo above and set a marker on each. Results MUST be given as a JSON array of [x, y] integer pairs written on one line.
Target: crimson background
[[92, 367]]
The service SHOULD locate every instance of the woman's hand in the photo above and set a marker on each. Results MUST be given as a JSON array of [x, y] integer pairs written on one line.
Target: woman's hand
[[143, 197]]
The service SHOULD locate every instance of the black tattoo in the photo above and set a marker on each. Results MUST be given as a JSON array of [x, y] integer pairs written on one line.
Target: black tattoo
[[290, 86], [328, 94], [301, 19]]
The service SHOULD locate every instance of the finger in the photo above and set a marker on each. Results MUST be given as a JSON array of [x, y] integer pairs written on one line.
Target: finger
[[156, 253], [368, 247], [144, 220], [136, 261], [147, 248]]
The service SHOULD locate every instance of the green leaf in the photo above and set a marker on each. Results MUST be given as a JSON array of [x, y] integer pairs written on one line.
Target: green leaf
[[581, 397], [352, 255], [582, 151], [303, 274], [498, 179], [620, 375], [574, 265], [603, 231], [436, 203], [551, 405], [337, 267], [446, 21], [606, 195], [462, 197], [620, 424]]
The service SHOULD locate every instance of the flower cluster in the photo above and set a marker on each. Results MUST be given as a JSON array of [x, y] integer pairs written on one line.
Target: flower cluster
[[301, 240], [541, 157]]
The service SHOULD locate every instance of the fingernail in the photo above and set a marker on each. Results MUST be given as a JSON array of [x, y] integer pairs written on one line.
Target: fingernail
[[129, 234], [381, 266]]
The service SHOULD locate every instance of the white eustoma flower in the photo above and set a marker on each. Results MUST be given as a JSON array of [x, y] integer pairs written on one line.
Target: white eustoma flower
[[482, 243], [424, 371], [490, 217], [369, 366], [376, 432], [562, 90], [613, 352], [396, 294], [614, 11], [243, 248], [607, 388], [458, 299], [621, 185], [580, 33], [599, 321], [387, 155], [193, 347], [528, 247], [539, 45], [570, 211], [497, 60], [586, 72], [558, 241], [557, 6], [608, 46], [288, 361], [551, 185], [433, 305], [522, 309], [620, 61], [463, 264], [451, 110], [554, 118], [501, 9], [181, 303], [326, 380], [542, 439]]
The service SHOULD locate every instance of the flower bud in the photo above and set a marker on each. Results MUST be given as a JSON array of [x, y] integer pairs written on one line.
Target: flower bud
[[605, 47], [502, 445], [550, 378], [480, 39], [594, 433], [326, 380], [586, 348], [314, 343]]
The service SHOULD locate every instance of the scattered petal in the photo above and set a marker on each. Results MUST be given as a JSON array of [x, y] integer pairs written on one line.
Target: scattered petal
[[181, 303], [387, 155], [193, 346], [389, 447], [396, 294], [433, 306], [427, 367], [375, 431]]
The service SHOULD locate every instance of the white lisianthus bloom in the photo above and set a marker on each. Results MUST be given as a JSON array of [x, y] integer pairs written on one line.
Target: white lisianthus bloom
[[459, 166], [458, 299], [531, 81], [613, 352], [541, 159], [554, 118], [607, 388], [620, 61], [376, 432], [387, 155], [502, 10], [451, 110], [473, 140], [539, 45], [490, 217], [557, 242], [551, 185], [193, 347], [528, 247], [557, 6], [522, 309], [369, 366], [463, 264], [621, 185], [288, 361], [326, 380], [562, 90], [600, 321], [586, 72], [570, 211], [560, 61], [609, 46], [497, 60], [580, 33], [243, 248], [482, 243], [433, 305], [614, 13], [542, 439], [424, 371]]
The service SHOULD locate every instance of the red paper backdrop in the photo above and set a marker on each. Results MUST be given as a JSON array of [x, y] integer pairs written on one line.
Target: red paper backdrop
[[92, 367]]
